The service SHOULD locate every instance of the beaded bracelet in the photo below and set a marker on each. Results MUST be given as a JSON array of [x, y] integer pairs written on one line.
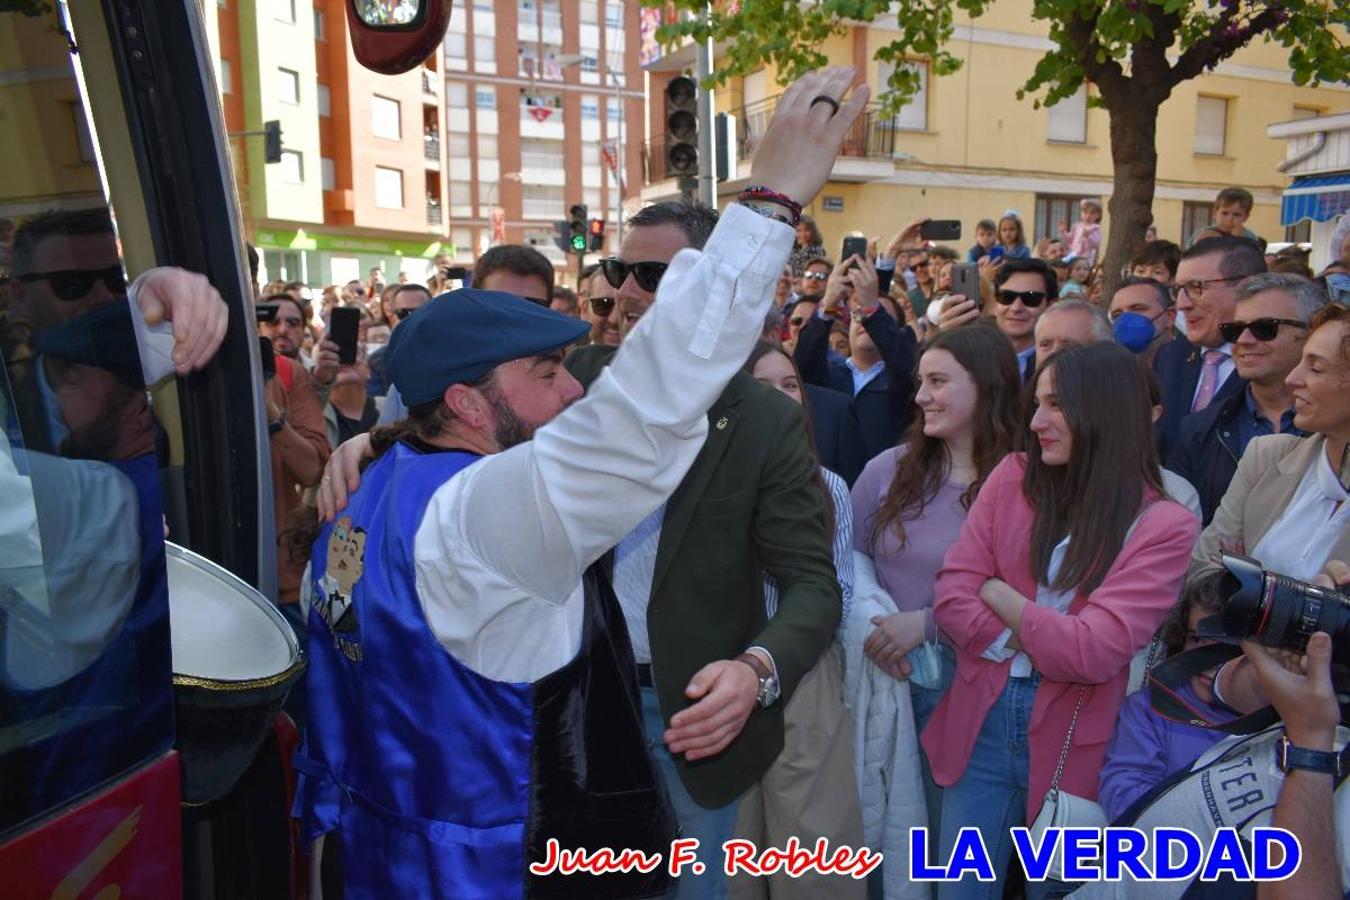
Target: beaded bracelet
[[760, 192]]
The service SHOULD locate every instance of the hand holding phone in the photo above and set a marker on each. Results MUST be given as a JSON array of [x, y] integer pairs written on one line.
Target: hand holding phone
[[853, 246], [342, 330], [940, 230]]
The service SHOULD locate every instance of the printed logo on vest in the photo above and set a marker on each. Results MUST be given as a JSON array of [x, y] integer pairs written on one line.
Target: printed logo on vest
[[346, 564]]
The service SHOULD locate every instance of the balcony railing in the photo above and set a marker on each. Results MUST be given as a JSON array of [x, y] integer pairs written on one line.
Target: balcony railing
[[434, 218], [532, 208], [428, 81], [872, 136], [431, 147]]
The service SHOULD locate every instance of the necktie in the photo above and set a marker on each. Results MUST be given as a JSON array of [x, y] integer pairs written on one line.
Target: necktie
[[1209, 379]]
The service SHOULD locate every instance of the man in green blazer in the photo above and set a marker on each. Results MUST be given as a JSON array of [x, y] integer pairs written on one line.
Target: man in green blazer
[[715, 672]]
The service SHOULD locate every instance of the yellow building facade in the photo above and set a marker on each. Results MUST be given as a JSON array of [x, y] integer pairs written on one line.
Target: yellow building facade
[[968, 149]]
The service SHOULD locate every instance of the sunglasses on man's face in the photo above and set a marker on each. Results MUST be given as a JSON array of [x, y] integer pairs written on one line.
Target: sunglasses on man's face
[[1030, 299], [602, 306], [402, 314], [816, 276], [75, 284], [1263, 329], [646, 274]]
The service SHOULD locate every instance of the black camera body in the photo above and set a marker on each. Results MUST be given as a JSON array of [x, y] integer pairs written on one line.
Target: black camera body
[[1277, 611]]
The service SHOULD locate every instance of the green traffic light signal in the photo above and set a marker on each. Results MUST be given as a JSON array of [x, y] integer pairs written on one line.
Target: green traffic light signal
[[579, 243]]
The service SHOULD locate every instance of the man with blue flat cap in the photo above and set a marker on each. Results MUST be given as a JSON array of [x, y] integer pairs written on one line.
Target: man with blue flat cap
[[473, 694]]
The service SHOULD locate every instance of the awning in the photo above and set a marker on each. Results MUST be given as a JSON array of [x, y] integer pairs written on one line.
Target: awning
[[1316, 197]]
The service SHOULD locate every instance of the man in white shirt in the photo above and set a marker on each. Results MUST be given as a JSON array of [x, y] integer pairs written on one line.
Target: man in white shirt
[[488, 563]]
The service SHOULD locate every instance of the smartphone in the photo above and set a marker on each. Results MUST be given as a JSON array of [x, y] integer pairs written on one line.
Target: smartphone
[[995, 253], [940, 230], [457, 273], [966, 281], [342, 329], [853, 246], [266, 312], [269, 358]]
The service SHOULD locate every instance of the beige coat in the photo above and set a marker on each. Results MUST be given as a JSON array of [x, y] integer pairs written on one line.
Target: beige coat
[[1268, 475]]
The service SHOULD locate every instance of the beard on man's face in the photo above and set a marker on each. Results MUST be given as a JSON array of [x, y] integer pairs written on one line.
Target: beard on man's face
[[511, 428]]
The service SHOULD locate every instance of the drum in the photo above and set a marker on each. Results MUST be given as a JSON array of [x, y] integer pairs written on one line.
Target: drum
[[235, 658]]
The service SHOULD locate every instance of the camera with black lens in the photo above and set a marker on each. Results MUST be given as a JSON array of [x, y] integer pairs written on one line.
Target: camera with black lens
[[1277, 611]]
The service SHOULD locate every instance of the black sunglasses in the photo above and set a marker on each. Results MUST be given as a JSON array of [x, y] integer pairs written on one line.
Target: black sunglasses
[[646, 274], [75, 284], [602, 306], [1030, 299], [1262, 329], [537, 301], [402, 314]]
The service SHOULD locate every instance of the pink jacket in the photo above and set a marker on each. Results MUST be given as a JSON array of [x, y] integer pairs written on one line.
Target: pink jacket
[[1091, 645]]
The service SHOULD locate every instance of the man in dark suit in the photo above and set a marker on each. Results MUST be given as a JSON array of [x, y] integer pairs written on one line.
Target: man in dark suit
[[879, 376], [690, 578], [839, 439], [1198, 369]]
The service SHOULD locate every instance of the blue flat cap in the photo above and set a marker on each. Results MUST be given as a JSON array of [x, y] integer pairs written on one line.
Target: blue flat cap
[[462, 335]]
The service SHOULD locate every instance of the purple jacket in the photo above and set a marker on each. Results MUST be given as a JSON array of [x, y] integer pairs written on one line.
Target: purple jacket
[[1146, 748]]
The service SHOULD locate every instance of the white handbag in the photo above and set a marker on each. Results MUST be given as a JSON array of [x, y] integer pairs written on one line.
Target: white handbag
[[1061, 809]]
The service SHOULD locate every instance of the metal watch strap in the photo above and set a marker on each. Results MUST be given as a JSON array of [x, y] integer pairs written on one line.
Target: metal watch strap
[[1291, 756]]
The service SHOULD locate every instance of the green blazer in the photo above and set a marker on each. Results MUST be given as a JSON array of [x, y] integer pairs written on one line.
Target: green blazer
[[748, 507]]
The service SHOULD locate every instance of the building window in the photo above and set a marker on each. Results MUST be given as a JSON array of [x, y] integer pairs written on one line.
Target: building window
[[457, 145], [226, 77], [1051, 209], [1211, 125], [385, 118], [288, 86], [327, 174], [589, 11], [590, 64], [487, 146], [613, 14], [1194, 216], [292, 167], [325, 100], [612, 112], [590, 106], [388, 188], [455, 47], [485, 53], [913, 116], [284, 10], [320, 26], [457, 94], [1299, 232], [1068, 119], [485, 98]]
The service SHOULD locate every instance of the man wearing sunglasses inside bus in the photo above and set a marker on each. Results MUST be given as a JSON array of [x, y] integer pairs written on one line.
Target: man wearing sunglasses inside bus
[[1273, 311], [1023, 288]]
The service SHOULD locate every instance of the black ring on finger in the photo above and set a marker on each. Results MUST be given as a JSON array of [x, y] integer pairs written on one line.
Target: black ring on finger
[[821, 98]]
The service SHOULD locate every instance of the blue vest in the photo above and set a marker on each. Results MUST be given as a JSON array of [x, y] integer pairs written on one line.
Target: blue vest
[[438, 781]]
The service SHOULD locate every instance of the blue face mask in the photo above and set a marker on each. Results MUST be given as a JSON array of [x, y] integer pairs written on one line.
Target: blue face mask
[[1338, 286], [1133, 331]]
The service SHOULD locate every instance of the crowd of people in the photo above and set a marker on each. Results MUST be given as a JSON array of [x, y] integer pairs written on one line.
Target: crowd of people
[[870, 552]]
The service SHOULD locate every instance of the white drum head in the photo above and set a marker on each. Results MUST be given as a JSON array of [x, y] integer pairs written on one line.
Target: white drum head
[[222, 628]]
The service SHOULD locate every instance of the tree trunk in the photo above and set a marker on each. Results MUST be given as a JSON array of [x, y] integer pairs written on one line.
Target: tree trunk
[[1134, 153]]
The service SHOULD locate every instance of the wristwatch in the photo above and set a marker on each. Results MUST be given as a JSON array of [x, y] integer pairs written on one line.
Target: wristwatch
[[768, 682], [767, 211], [280, 423], [1289, 756]]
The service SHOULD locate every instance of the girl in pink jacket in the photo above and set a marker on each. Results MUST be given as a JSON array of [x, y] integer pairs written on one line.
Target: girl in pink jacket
[[1069, 560]]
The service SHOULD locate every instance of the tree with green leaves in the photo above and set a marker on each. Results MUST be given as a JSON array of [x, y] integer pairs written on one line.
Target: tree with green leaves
[[1135, 52]]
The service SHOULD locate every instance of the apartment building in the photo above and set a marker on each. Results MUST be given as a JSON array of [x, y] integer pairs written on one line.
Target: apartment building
[[361, 181], [966, 148], [544, 108]]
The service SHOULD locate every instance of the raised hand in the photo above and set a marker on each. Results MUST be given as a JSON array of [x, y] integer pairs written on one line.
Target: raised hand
[[797, 151]]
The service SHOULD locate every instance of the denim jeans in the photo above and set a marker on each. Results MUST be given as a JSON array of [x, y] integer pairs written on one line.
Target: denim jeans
[[924, 701], [992, 793], [712, 827]]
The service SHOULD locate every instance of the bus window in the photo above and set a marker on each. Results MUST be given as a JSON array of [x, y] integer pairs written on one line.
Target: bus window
[[85, 668]]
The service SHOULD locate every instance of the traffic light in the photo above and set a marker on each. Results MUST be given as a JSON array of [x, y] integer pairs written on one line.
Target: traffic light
[[577, 228], [681, 127], [272, 141], [597, 235], [563, 236]]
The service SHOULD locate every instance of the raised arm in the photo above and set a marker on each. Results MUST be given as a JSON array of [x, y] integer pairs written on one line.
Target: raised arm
[[542, 511]]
